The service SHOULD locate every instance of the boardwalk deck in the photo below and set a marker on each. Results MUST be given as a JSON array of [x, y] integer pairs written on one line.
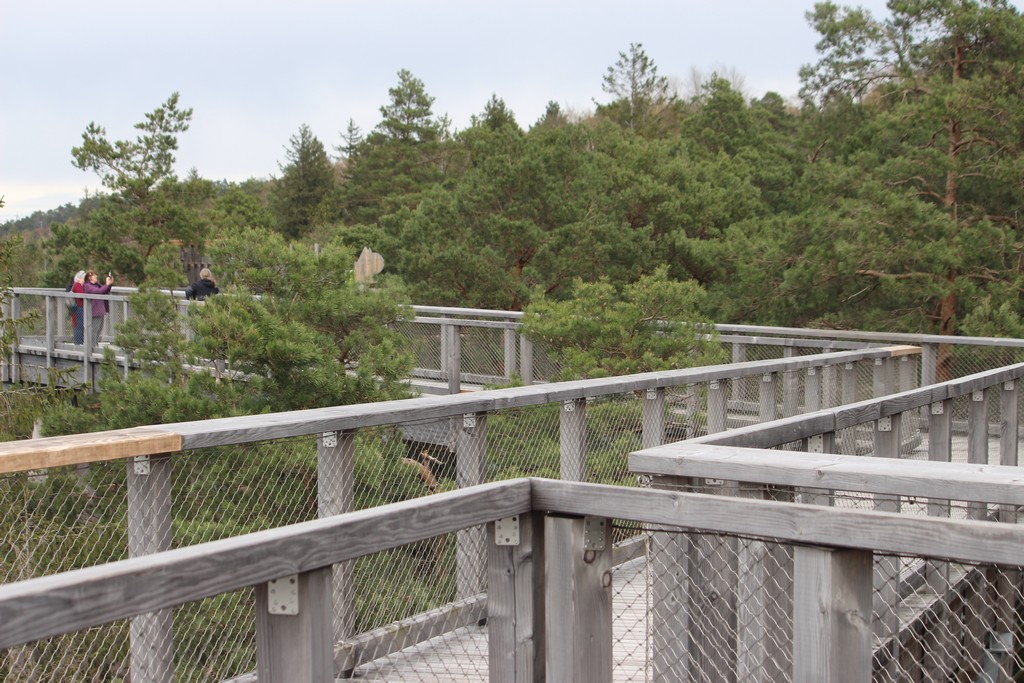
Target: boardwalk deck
[[461, 656]]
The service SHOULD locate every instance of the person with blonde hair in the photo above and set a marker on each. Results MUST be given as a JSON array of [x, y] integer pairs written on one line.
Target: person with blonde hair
[[77, 307], [203, 287]]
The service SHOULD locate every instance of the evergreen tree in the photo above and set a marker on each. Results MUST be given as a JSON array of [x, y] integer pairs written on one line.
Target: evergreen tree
[[147, 205], [643, 100], [931, 214], [404, 155], [301, 198]]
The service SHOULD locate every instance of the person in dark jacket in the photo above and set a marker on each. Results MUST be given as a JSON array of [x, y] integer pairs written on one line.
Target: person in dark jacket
[[203, 287]]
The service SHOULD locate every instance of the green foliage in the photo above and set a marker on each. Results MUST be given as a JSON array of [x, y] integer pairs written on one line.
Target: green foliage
[[133, 168], [643, 101], [403, 156], [23, 403], [147, 205], [653, 324], [303, 195]]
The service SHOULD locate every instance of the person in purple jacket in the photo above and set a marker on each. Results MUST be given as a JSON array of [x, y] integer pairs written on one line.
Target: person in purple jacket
[[99, 306]]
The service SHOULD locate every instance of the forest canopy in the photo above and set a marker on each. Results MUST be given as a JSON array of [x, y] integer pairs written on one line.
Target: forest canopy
[[887, 198]]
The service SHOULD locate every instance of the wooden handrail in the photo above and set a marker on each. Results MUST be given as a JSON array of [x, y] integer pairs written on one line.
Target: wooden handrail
[[26, 455], [48, 606]]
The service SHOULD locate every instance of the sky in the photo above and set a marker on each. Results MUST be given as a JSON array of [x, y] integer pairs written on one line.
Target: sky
[[254, 71]]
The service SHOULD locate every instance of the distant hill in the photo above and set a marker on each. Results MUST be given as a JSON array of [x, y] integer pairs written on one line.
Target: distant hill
[[40, 221]]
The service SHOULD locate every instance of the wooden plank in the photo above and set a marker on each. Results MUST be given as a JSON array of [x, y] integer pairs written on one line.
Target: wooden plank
[[335, 482], [51, 605], [297, 423], [470, 470], [295, 647], [957, 540], [515, 605], [149, 531], [572, 440], [60, 451], [960, 481], [578, 593], [419, 628], [832, 615], [652, 418], [36, 454]]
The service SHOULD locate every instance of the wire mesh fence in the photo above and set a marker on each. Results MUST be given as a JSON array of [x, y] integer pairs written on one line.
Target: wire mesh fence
[[64, 518]]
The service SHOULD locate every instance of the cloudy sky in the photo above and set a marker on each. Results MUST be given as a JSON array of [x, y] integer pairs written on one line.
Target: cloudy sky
[[254, 71]]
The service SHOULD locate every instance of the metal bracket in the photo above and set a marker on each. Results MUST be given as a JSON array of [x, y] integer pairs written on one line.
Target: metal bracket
[[469, 421], [594, 533], [506, 530], [330, 439], [884, 424], [766, 377], [816, 444], [283, 595], [938, 408], [569, 406], [140, 464], [978, 396], [1010, 385], [652, 394]]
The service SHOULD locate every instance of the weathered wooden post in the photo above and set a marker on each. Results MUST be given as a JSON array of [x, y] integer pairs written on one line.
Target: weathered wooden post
[[336, 474], [578, 589], [938, 663], [832, 637], [739, 355], [768, 408], [790, 387], [882, 378], [511, 366], [451, 350], [52, 314], [652, 418], [293, 629], [812, 390], [718, 406], [470, 464], [887, 570], [149, 531], [1006, 580], [515, 599], [15, 311], [87, 346], [526, 359], [572, 438]]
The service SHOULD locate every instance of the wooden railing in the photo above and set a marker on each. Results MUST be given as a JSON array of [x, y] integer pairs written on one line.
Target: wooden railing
[[447, 333], [548, 608], [149, 451], [737, 463]]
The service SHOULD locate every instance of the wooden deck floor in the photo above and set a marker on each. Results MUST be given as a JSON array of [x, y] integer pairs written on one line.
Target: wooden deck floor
[[461, 656]]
